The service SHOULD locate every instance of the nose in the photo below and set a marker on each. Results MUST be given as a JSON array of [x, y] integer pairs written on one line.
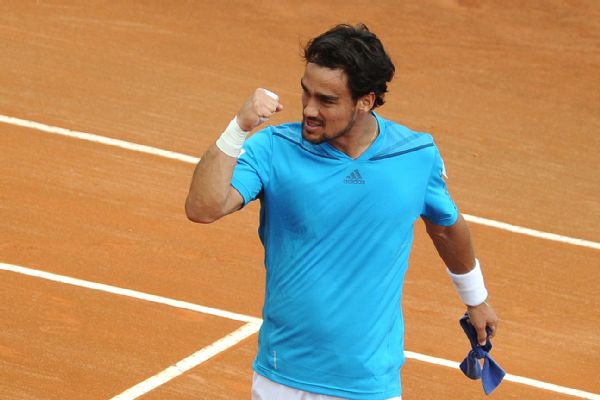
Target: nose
[[310, 110]]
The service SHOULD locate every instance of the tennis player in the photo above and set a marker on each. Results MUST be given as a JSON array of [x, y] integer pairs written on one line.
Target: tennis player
[[339, 193]]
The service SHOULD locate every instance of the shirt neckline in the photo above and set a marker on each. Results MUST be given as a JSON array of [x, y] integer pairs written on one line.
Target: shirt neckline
[[373, 147]]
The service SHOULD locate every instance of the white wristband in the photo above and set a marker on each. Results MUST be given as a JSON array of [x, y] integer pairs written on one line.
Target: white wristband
[[231, 140], [470, 286]]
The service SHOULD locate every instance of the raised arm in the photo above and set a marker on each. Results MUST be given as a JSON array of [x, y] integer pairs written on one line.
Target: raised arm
[[454, 246], [211, 195]]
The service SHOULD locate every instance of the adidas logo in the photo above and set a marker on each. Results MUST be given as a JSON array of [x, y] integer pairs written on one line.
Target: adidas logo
[[355, 178]]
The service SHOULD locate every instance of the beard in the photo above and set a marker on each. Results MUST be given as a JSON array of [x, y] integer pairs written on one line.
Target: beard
[[325, 136]]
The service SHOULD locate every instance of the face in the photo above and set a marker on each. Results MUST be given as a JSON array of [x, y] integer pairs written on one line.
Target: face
[[329, 111]]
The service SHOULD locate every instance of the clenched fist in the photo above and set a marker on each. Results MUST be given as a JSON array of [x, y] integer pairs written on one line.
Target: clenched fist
[[258, 108]]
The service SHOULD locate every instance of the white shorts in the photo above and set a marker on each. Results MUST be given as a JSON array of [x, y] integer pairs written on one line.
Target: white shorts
[[266, 389]]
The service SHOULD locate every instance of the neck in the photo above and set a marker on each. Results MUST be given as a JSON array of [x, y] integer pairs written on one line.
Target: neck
[[356, 141]]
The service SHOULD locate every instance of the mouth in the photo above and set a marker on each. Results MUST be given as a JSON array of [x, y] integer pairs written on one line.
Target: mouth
[[312, 125]]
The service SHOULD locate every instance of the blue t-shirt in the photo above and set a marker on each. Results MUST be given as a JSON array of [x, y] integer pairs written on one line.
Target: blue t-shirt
[[337, 234]]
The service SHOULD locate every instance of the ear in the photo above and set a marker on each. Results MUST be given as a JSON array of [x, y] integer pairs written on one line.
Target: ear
[[366, 102]]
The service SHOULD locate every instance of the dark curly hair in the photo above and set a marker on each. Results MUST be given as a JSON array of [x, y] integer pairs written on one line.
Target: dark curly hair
[[358, 52]]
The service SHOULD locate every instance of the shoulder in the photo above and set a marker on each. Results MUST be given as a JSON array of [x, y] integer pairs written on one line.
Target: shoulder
[[399, 139], [289, 131], [286, 140]]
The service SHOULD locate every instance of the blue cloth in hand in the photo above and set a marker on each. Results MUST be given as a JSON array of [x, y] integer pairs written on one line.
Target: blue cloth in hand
[[492, 374]]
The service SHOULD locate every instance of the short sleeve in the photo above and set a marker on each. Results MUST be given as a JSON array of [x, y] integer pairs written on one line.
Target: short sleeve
[[438, 206], [251, 173]]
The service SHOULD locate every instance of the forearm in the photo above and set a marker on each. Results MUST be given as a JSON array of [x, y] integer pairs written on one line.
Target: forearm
[[210, 186], [211, 196], [453, 244]]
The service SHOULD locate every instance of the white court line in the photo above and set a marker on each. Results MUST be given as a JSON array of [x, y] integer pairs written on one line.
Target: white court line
[[252, 326], [129, 293], [194, 160], [90, 137], [189, 363], [509, 377], [245, 331], [532, 232]]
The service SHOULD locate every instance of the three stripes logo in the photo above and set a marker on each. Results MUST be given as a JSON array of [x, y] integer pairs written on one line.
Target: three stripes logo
[[355, 178]]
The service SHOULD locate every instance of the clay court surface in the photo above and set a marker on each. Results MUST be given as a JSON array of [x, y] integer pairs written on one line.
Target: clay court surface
[[509, 89]]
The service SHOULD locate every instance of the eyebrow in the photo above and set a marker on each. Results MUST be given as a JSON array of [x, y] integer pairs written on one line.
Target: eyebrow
[[320, 96]]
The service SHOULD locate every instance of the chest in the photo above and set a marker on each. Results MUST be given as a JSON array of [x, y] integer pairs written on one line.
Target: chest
[[317, 191]]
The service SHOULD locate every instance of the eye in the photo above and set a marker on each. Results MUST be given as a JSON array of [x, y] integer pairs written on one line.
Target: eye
[[304, 90]]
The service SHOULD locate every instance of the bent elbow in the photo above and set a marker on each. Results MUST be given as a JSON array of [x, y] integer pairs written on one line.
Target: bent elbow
[[200, 219], [198, 216]]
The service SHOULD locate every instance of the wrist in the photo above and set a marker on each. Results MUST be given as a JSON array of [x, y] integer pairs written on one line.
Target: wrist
[[470, 286], [483, 303], [232, 139]]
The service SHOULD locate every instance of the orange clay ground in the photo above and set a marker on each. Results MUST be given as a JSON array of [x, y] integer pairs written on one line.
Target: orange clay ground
[[509, 90]]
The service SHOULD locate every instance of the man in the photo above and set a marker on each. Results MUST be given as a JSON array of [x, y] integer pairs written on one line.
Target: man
[[339, 195]]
